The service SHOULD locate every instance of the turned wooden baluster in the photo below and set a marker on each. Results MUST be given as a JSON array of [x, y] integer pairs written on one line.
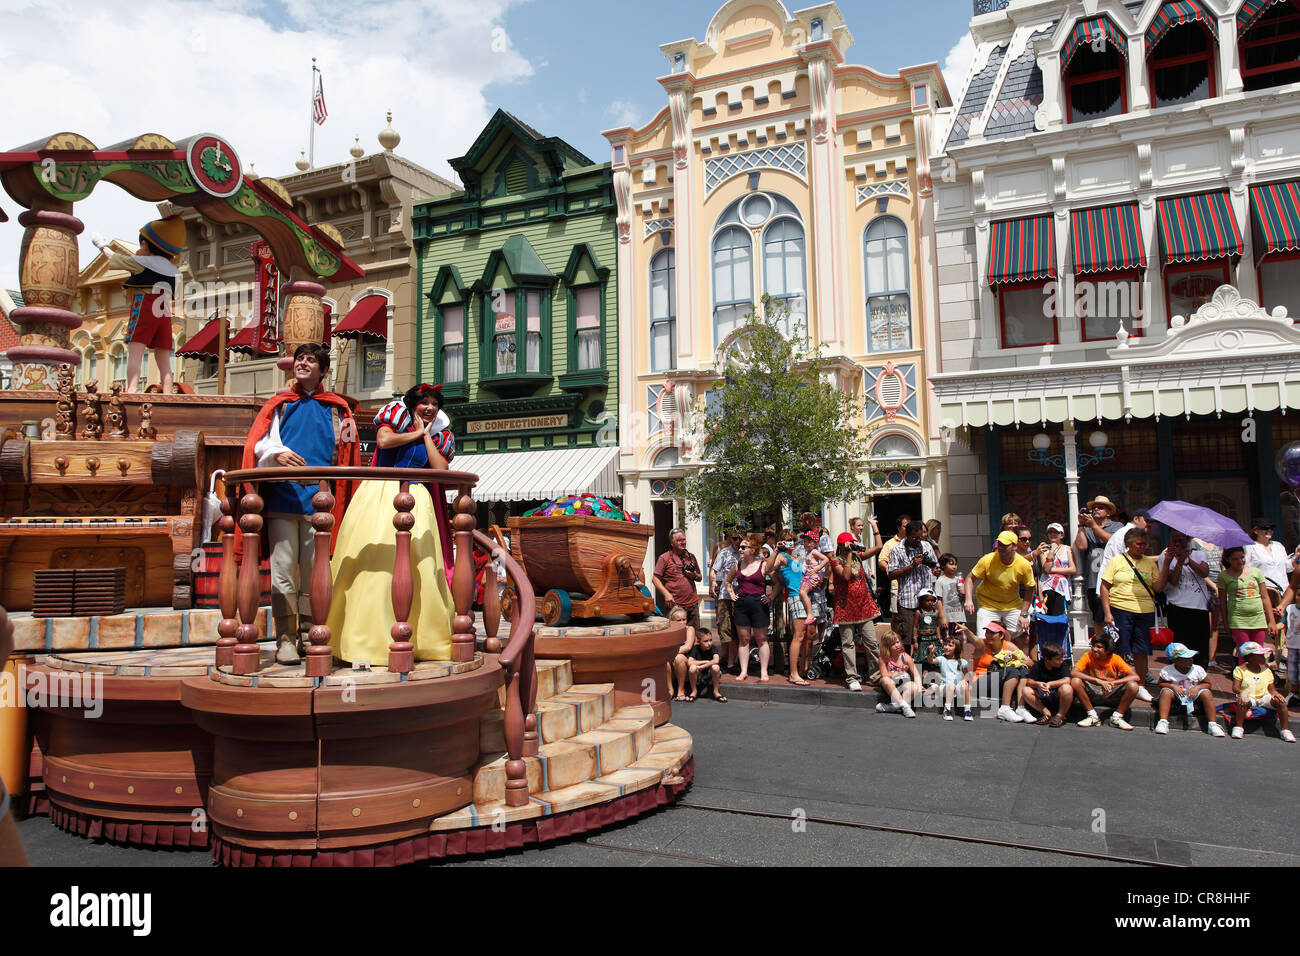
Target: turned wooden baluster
[[227, 595], [515, 728], [319, 656], [491, 606], [462, 579], [250, 585], [528, 694], [401, 652]]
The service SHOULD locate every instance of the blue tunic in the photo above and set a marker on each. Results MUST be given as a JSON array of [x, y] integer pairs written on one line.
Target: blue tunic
[[307, 427]]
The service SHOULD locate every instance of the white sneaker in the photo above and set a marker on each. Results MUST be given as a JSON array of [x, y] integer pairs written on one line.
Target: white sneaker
[[855, 685], [1092, 720], [1117, 721], [909, 712], [887, 708], [1214, 730], [1025, 716], [967, 715], [1288, 736], [1162, 726], [1238, 733], [947, 713], [1144, 695], [1006, 713]]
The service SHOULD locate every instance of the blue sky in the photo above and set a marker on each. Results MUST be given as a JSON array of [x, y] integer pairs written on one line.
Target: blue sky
[[242, 69], [585, 49]]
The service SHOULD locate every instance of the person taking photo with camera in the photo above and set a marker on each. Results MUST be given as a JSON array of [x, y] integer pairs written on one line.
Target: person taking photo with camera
[[912, 564]]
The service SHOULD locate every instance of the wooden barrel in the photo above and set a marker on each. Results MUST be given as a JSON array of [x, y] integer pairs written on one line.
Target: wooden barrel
[[209, 570]]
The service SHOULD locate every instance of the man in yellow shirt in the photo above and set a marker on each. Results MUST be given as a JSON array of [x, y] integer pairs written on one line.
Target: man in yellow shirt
[[998, 577]]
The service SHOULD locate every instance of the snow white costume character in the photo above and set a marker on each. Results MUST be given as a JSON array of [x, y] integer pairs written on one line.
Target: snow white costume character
[[410, 433]]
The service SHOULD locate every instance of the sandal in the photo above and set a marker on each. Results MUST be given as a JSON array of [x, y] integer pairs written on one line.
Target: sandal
[[799, 682], [690, 700], [1043, 719], [719, 698], [1056, 721]]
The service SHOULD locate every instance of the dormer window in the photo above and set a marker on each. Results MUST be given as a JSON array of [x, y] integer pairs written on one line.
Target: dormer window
[[1094, 65], [1270, 43], [1180, 49]]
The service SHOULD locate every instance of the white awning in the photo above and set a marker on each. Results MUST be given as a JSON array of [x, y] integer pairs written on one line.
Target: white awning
[[544, 474]]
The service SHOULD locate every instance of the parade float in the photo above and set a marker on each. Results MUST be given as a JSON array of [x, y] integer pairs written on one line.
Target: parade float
[[198, 738]]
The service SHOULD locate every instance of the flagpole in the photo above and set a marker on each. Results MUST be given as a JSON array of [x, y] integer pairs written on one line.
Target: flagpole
[[311, 159]]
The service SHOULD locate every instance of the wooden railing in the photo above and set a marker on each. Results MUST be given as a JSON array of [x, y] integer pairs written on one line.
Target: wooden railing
[[239, 591]]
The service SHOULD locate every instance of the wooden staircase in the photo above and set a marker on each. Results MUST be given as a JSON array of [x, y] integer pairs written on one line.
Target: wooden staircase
[[589, 752]]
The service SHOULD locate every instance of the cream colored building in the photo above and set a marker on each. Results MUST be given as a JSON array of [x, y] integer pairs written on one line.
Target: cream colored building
[[777, 168]]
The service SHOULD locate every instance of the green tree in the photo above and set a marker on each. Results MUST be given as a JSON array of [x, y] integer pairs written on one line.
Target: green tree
[[779, 430]]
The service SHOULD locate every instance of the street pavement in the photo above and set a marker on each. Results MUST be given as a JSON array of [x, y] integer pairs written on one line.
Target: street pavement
[[829, 786]]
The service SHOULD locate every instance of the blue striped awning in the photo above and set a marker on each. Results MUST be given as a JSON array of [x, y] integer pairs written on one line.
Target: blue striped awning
[[1251, 11], [1176, 12], [1198, 228], [1022, 250], [1089, 31]]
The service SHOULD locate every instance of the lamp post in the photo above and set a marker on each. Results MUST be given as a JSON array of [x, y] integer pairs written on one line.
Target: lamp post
[[1072, 461]]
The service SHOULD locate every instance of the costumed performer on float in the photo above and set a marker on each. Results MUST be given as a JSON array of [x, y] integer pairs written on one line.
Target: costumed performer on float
[[410, 433], [153, 278], [304, 425]]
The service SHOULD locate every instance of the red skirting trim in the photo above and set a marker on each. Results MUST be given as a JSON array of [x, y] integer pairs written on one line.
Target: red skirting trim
[[36, 804], [434, 846], [180, 836]]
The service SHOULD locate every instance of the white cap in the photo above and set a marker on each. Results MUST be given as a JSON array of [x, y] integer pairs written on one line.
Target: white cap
[[1055, 526]]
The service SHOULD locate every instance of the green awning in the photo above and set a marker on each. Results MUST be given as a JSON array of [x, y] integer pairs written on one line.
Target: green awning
[[1198, 228], [1022, 250], [1090, 31], [1107, 240], [1276, 210]]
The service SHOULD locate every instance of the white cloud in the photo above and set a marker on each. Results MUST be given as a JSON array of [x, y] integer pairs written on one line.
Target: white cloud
[[624, 112], [957, 64], [179, 67]]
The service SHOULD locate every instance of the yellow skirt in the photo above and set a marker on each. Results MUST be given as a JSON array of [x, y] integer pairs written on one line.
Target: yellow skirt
[[361, 610]]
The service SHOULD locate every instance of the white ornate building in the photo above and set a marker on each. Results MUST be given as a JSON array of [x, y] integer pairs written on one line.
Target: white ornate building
[[1111, 167]]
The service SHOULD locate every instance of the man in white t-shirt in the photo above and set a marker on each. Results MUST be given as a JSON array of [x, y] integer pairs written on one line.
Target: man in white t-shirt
[[1184, 569], [1185, 685]]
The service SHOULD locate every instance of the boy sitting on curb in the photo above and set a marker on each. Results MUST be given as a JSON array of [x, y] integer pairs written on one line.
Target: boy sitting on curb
[[1102, 677]]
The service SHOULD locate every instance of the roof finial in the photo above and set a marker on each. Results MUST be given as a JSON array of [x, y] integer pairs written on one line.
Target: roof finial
[[356, 150], [389, 137], [301, 162]]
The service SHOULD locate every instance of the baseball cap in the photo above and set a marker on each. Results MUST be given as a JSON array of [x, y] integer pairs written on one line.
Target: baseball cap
[[995, 627], [846, 537], [925, 592], [1142, 513], [1176, 650], [1251, 647], [1007, 537]]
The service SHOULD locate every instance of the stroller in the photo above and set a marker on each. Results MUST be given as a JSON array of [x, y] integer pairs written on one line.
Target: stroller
[[826, 658]]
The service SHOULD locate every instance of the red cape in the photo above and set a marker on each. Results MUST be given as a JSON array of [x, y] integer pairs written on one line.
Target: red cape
[[347, 452]]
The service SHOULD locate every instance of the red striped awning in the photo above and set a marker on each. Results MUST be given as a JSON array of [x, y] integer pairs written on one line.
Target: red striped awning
[[367, 319], [1086, 32], [1176, 12], [1250, 12], [243, 342], [1022, 250], [206, 340], [1276, 211], [1107, 240], [1198, 228]]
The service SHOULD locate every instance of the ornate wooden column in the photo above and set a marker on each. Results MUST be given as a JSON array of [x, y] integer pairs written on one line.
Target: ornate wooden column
[[47, 275], [401, 652], [245, 657], [227, 589], [320, 658], [304, 317], [462, 580]]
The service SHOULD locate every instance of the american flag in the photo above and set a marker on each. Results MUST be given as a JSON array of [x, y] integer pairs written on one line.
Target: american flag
[[318, 103]]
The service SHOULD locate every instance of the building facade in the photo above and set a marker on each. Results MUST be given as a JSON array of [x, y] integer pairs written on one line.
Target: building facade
[[776, 168], [369, 201], [517, 320], [1117, 227]]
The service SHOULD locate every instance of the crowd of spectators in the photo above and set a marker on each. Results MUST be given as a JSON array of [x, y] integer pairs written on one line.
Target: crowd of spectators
[[785, 600]]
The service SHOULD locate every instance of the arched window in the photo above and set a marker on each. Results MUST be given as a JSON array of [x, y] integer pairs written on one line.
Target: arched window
[[784, 271], [1182, 65], [1270, 43], [118, 372], [663, 311], [733, 280], [1094, 68], [88, 370], [889, 307], [668, 458], [895, 446]]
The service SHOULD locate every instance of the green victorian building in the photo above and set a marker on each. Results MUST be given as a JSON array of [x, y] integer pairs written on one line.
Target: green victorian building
[[519, 317]]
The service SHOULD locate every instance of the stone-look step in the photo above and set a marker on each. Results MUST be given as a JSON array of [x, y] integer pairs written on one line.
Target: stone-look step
[[609, 747], [669, 752]]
